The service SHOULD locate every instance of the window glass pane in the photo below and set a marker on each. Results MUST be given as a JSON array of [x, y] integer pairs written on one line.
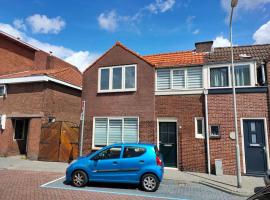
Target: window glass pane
[[163, 79], [194, 78], [115, 131], [117, 78], [219, 77], [252, 127], [131, 152], [178, 79], [104, 83], [111, 153], [199, 126], [130, 77], [130, 130], [214, 131], [100, 132], [242, 75]]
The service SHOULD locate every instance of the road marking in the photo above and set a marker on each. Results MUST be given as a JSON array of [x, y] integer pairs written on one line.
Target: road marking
[[52, 181], [46, 185]]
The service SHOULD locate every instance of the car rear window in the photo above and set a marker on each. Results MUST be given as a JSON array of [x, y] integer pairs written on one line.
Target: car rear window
[[131, 152]]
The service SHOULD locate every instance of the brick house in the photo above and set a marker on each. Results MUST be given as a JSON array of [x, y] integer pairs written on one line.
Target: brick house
[[175, 99], [35, 88]]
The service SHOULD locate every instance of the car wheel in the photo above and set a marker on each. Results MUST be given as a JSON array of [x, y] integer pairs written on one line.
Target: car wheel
[[149, 183], [79, 178]]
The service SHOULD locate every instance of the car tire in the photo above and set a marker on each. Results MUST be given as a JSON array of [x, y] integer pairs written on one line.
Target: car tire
[[79, 178], [149, 183]]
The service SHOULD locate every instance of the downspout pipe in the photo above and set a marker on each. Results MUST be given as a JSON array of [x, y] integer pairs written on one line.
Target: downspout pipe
[[207, 131]]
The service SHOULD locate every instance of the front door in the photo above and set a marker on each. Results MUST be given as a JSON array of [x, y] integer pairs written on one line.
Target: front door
[[168, 143], [255, 150]]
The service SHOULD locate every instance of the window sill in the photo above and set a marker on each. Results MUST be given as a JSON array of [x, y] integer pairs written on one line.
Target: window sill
[[116, 91], [173, 92], [199, 137]]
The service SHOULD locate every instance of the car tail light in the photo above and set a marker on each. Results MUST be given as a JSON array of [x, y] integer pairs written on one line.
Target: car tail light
[[159, 162]]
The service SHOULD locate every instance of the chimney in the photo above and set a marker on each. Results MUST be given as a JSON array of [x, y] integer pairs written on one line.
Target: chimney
[[204, 46]]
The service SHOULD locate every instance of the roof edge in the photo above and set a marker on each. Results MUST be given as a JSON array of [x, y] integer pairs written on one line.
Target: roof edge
[[124, 47]]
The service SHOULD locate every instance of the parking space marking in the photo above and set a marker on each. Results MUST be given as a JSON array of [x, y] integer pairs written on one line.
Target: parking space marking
[[52, 181], [47, 185]]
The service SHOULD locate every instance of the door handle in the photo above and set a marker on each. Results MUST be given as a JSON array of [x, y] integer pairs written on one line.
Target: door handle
[[141, 161], [115, 163]]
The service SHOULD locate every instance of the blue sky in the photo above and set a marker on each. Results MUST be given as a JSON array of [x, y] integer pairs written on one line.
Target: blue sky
[[80, 30]]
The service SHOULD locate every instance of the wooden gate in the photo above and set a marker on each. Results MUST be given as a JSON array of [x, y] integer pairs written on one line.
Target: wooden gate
[[59, 141]]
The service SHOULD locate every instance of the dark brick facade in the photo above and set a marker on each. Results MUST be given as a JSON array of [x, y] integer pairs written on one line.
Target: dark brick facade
[[184, 108], [140, 103]]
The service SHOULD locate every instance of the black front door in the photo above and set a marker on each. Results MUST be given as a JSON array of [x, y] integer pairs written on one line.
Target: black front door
[[167, 143], [255, 150]]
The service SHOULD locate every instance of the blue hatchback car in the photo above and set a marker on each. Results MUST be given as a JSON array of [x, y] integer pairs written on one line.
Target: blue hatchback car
[[119, 163]]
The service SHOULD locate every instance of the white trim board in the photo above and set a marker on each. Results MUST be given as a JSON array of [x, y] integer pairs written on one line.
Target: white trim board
[[243, 142], [170, 119], [32, 79]]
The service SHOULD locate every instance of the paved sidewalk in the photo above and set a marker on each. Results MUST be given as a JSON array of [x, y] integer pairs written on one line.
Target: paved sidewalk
[[20, 163], [224, 183]]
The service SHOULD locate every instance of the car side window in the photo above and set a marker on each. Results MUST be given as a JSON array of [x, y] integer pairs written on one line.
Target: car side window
[[111, 153], [131, 152]]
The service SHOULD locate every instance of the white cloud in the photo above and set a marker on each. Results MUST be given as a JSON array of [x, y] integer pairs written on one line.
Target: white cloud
[[161, 6], [243, 5], [19, 24], [195, 32], [108, 21], [220, 41], [81, 59], [43, 24], [262, 35]]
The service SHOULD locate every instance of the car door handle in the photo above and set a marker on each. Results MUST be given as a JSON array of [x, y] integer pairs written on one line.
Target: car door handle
[[141, 161], [115, 163]]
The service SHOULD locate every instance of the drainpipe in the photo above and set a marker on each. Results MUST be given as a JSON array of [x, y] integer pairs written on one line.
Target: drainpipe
[[207, 131]]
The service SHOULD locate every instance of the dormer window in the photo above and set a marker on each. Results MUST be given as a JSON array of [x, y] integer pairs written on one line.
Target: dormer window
[[117, 79]]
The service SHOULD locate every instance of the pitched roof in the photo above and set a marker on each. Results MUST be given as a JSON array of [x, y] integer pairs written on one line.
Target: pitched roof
[[253, 52], [176, 59], [124, 47], [68, 75]]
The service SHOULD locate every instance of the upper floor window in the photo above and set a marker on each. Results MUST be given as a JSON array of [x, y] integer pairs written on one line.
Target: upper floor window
[[179, 79], [117, 79], [220, 76], [3, 90]]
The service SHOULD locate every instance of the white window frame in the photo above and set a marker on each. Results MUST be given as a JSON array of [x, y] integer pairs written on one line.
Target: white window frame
[[23, 134], [198, 135], [5, 91], [123, 89], [185, 89], [108, 128], [252, 72]]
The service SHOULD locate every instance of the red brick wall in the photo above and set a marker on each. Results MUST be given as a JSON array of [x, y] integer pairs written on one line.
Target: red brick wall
[[253, 105], [191, 151], [139, 103], [46, 99], [62, 102], [14, 57]]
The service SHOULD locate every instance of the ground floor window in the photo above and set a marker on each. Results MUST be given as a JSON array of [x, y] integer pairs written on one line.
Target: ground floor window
[[199, 127], [115, 130]]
